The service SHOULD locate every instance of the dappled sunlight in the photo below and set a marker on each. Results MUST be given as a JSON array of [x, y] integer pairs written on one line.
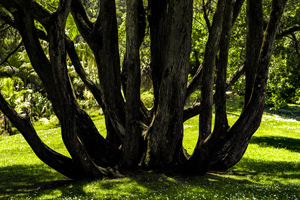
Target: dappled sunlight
[[270, 169]]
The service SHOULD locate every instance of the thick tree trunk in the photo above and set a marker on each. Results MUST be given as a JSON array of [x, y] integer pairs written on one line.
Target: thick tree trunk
[[171, 24], [102, 37], [62, 98], [222, 151]]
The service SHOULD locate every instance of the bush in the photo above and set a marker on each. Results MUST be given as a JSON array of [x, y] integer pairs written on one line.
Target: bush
[[147, 98]]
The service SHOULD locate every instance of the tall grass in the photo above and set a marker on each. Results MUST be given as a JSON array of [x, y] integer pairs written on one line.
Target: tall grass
[[270, 168]]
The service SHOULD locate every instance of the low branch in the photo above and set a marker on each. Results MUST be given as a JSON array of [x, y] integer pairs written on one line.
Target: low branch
[[195, 109], [39, 12], [81, 73], [205, 15], [55, 160], [235, 76], [288, 31]]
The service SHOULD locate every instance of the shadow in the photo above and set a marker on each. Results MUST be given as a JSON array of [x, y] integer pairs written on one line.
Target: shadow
[[277, 142], [250, 180], [274, 170], [288, 112], [20, 180]]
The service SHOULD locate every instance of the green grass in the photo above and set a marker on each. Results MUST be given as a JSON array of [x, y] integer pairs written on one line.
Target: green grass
[[270, 168]]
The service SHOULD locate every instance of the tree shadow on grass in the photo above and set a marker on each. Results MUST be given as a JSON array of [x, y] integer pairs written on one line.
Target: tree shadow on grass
[[268, 169], [288, 112], [277, 142], [20, 180], [248, 180]]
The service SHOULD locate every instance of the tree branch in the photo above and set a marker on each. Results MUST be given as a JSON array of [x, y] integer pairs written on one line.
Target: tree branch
[[235, 76], [12, 53], [81, 19], [288, 31], [195, 82], [39, 12], [195, 109], [205, 15], [81, 73], [55, 160], [237, 9], [50, 5]]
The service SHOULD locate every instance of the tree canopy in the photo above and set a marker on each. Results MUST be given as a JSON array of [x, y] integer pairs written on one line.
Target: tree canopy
[[215, 42]]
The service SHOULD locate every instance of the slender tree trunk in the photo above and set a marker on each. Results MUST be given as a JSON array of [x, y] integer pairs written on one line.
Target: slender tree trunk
[[231, 147], [199, 160], [221, 122], [254, 39], [133, 132]]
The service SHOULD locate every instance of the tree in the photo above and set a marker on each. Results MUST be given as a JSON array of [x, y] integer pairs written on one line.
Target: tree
[[136, 136], [283, 86]]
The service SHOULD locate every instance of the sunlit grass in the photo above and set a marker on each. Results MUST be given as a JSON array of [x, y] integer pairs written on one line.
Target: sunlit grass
[[270, 168]]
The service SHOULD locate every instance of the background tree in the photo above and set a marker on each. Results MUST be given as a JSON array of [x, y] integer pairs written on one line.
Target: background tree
[[136, 136]]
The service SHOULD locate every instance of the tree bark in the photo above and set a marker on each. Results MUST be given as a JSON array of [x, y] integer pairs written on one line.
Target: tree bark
[[170, 63], [199, 157], [234, 144], [221, 122], [131, 144], [62, 98], [255, 29], [60, 163]]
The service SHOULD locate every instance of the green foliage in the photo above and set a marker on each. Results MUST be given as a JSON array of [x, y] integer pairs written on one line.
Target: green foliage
[[71, 28], [41, 107], [88, 100], [283, 83], [147, 98], [121, 11]]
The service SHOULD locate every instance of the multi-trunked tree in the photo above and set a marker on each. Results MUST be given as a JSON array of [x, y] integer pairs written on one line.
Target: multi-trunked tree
[[138, 137]]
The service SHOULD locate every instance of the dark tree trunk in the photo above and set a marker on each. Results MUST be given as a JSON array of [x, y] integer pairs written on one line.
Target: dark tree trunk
[[131, 146], [59, 162], [171, 31], [254, 39], [221, 122], [199, 160], [234, 144]]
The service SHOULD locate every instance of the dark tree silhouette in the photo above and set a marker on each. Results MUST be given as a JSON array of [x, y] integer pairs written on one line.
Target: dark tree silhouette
[[137, 137]]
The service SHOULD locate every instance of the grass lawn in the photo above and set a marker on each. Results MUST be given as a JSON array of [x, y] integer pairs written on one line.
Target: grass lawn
[[270, 169]]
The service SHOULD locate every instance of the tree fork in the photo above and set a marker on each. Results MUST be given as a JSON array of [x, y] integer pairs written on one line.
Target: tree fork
[[234, 144]]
